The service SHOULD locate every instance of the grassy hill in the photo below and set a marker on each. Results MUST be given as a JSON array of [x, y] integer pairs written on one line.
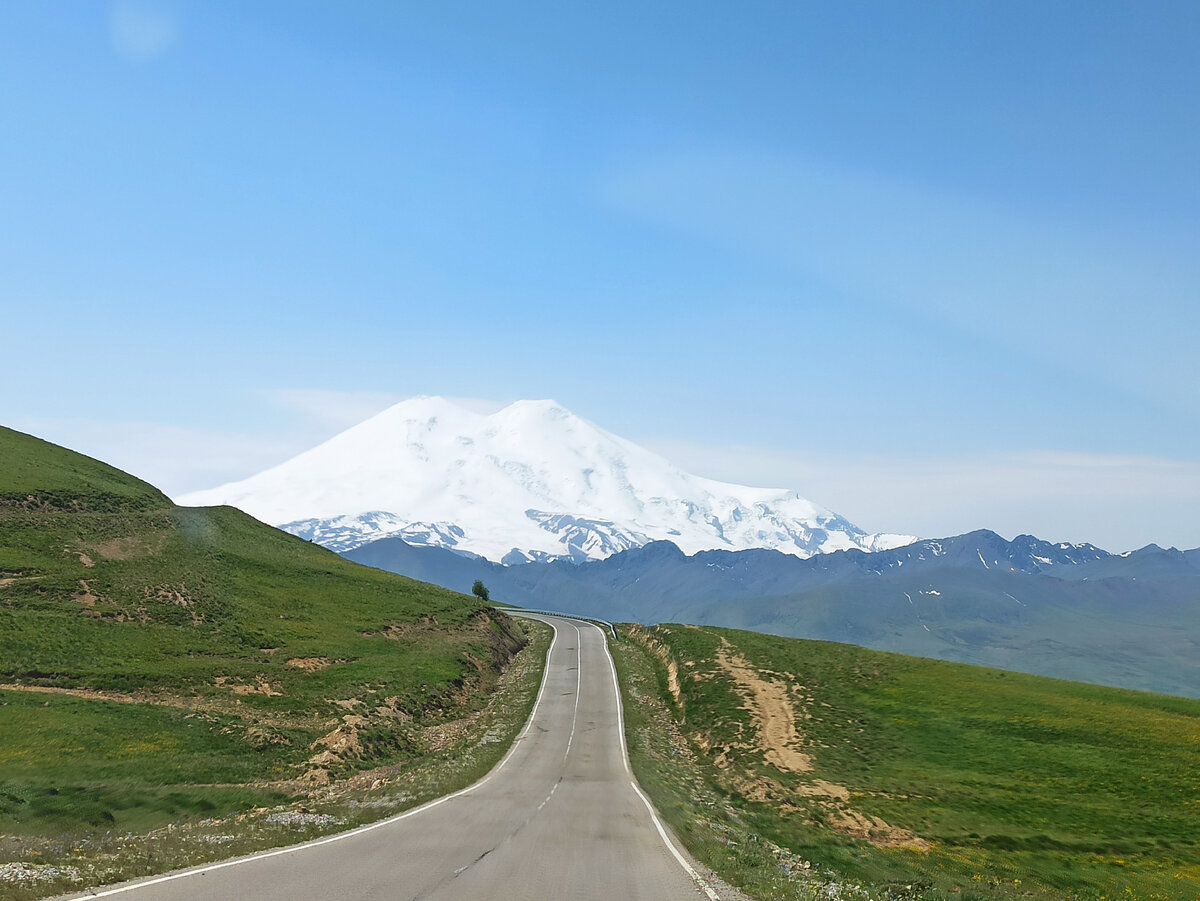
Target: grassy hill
[[160, 663], [801, 769]]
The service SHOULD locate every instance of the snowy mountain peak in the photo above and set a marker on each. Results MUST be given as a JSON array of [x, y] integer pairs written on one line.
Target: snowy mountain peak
[[530, 481]]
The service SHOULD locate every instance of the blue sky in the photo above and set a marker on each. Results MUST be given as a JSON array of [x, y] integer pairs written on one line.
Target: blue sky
[[934, 265]]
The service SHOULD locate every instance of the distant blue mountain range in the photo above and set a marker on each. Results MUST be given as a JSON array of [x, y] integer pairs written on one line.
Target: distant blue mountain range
[[1065, 610]]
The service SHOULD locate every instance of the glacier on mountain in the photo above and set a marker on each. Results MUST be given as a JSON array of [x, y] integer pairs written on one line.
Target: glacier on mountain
[[532, 481]]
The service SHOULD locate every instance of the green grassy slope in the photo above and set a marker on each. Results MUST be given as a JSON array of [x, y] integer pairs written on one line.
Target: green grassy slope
[[36, 474], [195, 661], [929, 779]]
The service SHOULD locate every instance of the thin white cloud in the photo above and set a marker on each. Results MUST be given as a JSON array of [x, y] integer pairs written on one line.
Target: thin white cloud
[[180, 459], [142, 30], [331, 409], [342, 409], [173, 458], [1118, 502], [479, 404], [1117, 306]]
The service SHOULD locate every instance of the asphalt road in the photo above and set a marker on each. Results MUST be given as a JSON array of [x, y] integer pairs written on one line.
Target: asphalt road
[[559, 818]]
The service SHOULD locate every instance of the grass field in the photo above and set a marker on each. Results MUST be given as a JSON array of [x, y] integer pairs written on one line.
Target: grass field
[[908, 777], [162, 665]]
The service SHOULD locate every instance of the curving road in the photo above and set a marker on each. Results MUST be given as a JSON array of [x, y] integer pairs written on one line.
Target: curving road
[[559, 818]]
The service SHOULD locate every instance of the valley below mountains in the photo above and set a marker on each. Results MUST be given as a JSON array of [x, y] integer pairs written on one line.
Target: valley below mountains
[[1068, 611]]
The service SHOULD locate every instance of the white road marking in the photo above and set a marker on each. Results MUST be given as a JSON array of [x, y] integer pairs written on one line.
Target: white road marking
[[549, 796], [578, 688], [662, 832], [292, 849]]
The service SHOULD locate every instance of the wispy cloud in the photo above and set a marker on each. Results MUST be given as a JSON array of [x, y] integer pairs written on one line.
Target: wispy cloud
[[342, 409], [180, 459], [479, 404], [176, 459], [1118, 502], [1115, 305], [332, 409], [142, 30]]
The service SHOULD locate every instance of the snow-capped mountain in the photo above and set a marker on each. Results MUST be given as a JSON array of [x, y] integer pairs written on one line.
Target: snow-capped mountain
[[530, 482]]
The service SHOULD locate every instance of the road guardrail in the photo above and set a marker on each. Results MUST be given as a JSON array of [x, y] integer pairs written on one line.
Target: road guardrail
[[590, 619]]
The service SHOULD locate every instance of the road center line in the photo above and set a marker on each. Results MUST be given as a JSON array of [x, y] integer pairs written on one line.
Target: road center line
[[578, 688], [551, 795]]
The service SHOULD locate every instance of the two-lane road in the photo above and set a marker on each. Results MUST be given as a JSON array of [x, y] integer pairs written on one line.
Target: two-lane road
[[558, 818]]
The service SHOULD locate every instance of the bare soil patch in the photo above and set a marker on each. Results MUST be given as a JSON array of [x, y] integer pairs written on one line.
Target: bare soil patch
[[339, 744], [774, 718], [85, 596], [116, 697], [176, 597], [447, 735], [309, 664], [260, 687], [400, 631], [771, 710], [194, 704], [661, 652], [126, 548]]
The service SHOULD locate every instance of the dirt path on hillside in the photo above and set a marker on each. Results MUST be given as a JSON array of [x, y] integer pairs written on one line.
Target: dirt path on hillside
[[201, 706], [771, 711], [774, 718], [116, 697]]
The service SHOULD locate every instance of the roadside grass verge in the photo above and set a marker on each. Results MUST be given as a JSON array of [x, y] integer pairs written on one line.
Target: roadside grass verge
[[908, 777], [210, 822]]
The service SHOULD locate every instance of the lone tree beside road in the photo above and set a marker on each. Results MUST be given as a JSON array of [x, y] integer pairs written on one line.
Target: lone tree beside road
[[479, 590]]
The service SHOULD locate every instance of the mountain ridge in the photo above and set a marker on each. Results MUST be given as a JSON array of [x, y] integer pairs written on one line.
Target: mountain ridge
[[1072, 611], [532, 481]]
